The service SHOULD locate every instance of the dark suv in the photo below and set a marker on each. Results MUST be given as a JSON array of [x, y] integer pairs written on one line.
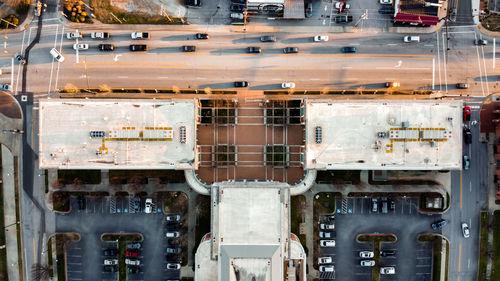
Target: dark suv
[[202, 36], [138, 48], [268, 39], [106, 47], [439, 224], [467, 135], [188, 48], [348, 50], [255, 50], [240, 84], [237, 8], [290, 50]]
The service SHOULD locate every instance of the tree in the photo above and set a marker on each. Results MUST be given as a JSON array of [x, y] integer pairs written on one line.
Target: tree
[[40, 272]]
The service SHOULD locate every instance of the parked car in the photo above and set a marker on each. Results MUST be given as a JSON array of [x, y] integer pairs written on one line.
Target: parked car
[[132, 253], [106, 47], [172, 218], [73, 35], [287, 85], [465, 230], [462, 86], [188, 49], [148, 205], [374, 205], [467, 113], [467, 135], [327, 243], [387, 270], [326, 268], [348, 49], [320, 38], [19, 58], [392, 204], [466, 162], [5, 87], [341, 6], [136, 245], [81, 46], [481, 42], [343, 19], [99, 35], [110, 252], [323, 234], [268, 39], [254, 50], [138, 47], [201, 36], [439, 224], [383, 203], [387, 253], [240, 84], [56, 55], [174, 250], [290, 50], [393, 84], [173, 266], [324, 260], [132, 262], [385, 2], [366, 254], [367, 263], [324, 226], [386, 10], [133, 269], [110, 262], [237, 8], [309, 10], [173, 234]]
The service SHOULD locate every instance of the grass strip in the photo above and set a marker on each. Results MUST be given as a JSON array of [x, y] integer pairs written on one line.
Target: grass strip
[[18, 218], [3, 252], [483, 246], [495, 267]]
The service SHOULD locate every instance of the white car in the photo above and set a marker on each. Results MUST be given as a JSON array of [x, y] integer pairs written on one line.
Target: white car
[[132, 262], [73, 35], [465, 230], [326, 268], [324, 260], [5, 87], [368, 263], [366, 254], [288, 85], [174, 266], [325, 226], [173, 234], [385, 2], [327, 243], [57, 55], [325, 234], [173, 218], [387, 270], [110, 262], [81, 46], [148, 206], [409, 39], [99, 35], [319, 38]]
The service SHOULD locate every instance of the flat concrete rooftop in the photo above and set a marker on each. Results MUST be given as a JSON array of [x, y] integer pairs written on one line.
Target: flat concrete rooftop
[[383, 135], [117, 134]]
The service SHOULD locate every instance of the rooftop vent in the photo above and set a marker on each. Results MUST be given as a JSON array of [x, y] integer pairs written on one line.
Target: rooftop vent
[[182, 134], [319, 134]]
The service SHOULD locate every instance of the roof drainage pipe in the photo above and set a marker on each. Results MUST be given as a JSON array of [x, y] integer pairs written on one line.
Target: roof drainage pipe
[[196, 183], [304, 184]]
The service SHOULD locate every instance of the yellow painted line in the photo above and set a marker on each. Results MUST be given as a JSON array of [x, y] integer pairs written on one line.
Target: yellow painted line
[[131, 65], [460, 189], [373, 55], [128, 63], [34, 251], [459, 256], [364, 57]]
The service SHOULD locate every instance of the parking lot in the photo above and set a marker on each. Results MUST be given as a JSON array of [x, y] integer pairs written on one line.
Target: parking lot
[[355, 216], [93, 216]]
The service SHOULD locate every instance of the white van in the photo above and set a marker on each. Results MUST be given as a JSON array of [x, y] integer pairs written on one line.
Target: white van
[[55, 53], [409, 39]]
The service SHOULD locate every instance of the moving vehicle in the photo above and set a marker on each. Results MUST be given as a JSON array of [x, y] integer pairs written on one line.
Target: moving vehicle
[[5, 87], [467, 113], [172, 218], [342, 6], [348, 49], [19, 58], [240, 84], [409, 39], [324, 260], [320, 38], [343, 19], [394, 84], [201, 36], [148, 205], [290, 50], [254, 50], [387, 253], [110, 262], [106, 47], [81, 46], [326, 268], [465, 230], [73, 35], [138, 48], [467, 135], [327, 243], [466, 162], [387, 270], [139, 35], [287, 85], [188, 49], [481, 42], [99, 35], [173, 234], [56, 55], [462, 86], [367, 263], [366, 254], [268, 39], [173, 266], [325, 226], [132, 262], [174, 250], [323, 234], [439, 224]]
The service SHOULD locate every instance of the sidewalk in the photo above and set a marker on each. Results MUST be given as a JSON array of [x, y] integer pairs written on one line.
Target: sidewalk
[[10, 222]]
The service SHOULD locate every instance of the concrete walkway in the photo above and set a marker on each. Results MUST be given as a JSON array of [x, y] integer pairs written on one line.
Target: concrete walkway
[[9, 206]]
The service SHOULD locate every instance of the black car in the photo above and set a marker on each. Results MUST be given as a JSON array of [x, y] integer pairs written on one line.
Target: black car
[[241, 84], [439, 224], [19, 58], [392, 204], [237, 8], [188, 49], [201, 36], [173, 258], [481, 42], [386, 11], [106, 47], [110, 252], [239, 1], [268, 39], [462, 86], [467, 136], [138, 48], [110, 268], [254, 50], [387, 253], [290, 50], [343, 19], [81, 202], [309, 10], [348, 50]]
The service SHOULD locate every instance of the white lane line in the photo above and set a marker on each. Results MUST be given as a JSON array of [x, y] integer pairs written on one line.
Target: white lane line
[[275, 79], [315, 79], [166, 77], [494, 50], [21, 52], [470, 31], [444, 62], [485, 72], [12, 72], [346, 67], [52, 64], [123, 77], [439, 60], [201, 78], [60, 50], [428, 45], [392, 44]]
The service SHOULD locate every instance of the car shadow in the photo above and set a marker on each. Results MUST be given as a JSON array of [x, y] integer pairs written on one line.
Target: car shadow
[[268, 87], [224, 85], [182, 37], [166, 50], [245, 40], [298, 40]]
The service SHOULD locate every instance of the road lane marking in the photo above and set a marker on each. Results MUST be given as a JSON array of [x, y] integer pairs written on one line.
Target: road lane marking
[[34, 251], [494, 47], [445, 65], [459, 256], [460, 189]]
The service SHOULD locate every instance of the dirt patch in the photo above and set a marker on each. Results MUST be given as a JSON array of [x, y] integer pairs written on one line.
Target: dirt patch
[[9, 106], [152, 7]]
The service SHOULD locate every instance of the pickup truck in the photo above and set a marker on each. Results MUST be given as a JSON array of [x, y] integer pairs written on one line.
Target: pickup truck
[[140, 35], [99, 35]]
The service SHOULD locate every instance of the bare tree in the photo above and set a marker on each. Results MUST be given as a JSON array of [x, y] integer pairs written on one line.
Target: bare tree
[[40, 272]]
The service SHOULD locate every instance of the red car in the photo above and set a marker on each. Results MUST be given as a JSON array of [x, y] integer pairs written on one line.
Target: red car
[[132, 253], [467, 113]]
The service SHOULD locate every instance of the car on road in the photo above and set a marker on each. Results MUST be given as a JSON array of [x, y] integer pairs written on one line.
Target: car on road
[[348, 49], [237, 16], [327, 243], [287, 85], [99, 35], [326, 268], [290, 50], [172, 218], [81, 46], [188, 49], [309, 10], [325, 234], [201, 36], [106, 47], [239, 1], [481, 42], [466, 162], [343, 19], [387, 253], [134, 245], [237, 8], [341, 6], [438, 224], [387, 270], [366, 254], [110, 268], [268, 38], [385, 2], [5, 87], [367, 263], [19, 58], [320, 38], [324, 260], [132, 262], [110, 262], [462, 86], [465, 230], [240, 84], [374, 205], [173, 266], [148, 205], [73, 35], [173, 250], [409, 39], [324, 226], [139, 35], [254, 50], [467, 113], [393, 84], [110, 252], [138, 47], [56, 55], [132, 253], [172, 234], [467, 135], [453, 17]]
